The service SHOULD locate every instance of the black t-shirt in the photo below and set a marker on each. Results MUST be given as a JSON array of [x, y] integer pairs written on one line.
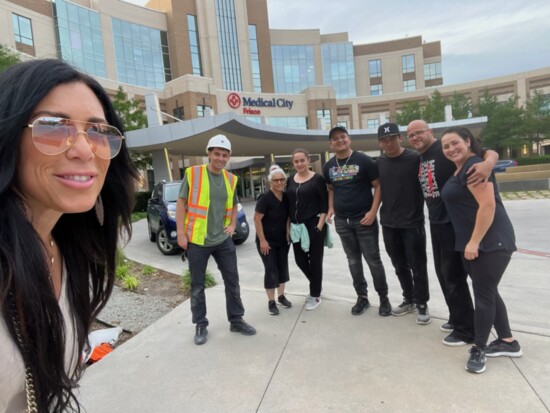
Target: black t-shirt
[[307, 199], [435, 169], [402, 200], [275, 216], [351, 182], [462, 208]]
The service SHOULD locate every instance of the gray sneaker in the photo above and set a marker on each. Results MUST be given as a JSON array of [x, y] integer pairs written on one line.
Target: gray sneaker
[[423, 316], [405, 307], [312, 303]]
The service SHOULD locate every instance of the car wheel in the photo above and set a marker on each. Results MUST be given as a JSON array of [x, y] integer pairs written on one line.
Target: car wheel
[[243, 232], [163, 243], [152, 235]]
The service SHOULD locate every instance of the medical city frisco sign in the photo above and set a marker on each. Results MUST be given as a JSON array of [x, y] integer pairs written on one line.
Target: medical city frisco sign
[[248, 104]]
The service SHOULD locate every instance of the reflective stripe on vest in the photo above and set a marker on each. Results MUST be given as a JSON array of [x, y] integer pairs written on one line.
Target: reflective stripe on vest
[[198, 202]]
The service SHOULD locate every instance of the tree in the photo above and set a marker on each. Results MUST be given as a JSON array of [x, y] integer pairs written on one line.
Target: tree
[[536, 123], [504, 123], [133, 117], [409, 111], [434, 111], [462, 106], [7, 58]]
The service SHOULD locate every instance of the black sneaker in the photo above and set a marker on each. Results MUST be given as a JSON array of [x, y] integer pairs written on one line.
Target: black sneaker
[[200, 335], [447, 327], [499, 348], [272, 307], [423, 316], [453, 341], [476, 361], [405, 307], [242, 327], [284, 302], [361, 305], [385, 307]]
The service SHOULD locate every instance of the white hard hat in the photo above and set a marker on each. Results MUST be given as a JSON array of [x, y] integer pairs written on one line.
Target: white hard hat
[[219, 141]]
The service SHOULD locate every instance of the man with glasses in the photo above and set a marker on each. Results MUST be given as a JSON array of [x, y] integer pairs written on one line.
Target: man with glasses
[[435, 170], [402, 221], [350, 177]]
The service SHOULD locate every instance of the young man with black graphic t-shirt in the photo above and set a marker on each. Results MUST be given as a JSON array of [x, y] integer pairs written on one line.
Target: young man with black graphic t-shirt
[[350, 177], [435, 169]]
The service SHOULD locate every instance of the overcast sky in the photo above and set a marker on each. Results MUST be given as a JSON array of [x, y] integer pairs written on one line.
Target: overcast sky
[[479, 38]]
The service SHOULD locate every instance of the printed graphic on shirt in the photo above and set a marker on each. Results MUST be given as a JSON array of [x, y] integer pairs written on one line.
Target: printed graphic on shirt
[[343, 173], [426, 176]]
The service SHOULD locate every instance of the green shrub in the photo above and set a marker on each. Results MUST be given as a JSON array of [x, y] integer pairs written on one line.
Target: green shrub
[[130, 282], [209, 281], [138, 216], [141, 201], [148, 270], [122, 271], [120, 257], [534, 160]]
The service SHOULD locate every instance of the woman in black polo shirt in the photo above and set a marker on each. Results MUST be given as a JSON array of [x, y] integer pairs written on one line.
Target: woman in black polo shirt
[[485, 235]]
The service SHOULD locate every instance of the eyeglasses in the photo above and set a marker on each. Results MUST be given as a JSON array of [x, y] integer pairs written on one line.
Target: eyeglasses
[[279, 181], [53, 136], [413, 135]]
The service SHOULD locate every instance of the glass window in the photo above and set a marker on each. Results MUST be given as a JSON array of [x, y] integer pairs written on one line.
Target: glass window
[[407, 63], [177, 112], [409, 85], [141, 53], [293, 68], [432, 71], [22, 29], [202, 110], [338, 68], [373, 123], [194, 44], [375, 68], [79, 37], [229, 45], [324, 120], [291, 122], [255, 58], [375, 90]]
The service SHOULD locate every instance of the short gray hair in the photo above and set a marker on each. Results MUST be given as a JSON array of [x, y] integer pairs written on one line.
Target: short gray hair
[[275, 169]]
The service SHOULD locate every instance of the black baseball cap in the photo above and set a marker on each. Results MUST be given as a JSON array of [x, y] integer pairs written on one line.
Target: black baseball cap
[[335, 129], [388, 129]]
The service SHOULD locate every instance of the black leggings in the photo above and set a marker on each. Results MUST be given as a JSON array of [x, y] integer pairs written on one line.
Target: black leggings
[[311, 263], [486, 272]]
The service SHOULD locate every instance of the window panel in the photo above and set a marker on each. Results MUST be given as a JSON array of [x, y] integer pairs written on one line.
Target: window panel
[[407, 63]]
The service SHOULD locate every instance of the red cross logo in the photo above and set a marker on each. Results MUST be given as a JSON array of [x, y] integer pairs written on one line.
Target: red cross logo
[[234, 100]]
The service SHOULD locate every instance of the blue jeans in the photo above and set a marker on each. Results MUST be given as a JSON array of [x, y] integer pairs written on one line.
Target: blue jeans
[[362, 241], [407, 250], [226, 258]]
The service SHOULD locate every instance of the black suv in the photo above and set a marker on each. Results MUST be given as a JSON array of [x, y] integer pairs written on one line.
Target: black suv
[[161, 219]]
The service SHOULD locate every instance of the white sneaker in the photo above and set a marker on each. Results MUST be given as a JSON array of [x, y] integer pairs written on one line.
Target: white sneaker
[[312, 303]]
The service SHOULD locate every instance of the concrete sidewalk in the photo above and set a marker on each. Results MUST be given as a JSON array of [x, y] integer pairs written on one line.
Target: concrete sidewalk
[[327, 359]]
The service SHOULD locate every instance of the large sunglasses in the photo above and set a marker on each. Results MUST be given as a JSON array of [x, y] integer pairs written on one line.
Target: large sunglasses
[[53, 136]]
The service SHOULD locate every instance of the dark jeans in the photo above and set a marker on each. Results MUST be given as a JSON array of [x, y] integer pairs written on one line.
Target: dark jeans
[[407, 250], [275, 265], [362, 240], [452, 278], [226, 258], [486, 272], [311, 263]]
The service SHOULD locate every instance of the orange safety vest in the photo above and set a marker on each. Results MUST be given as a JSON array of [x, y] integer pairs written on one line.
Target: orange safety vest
[[198, 201]]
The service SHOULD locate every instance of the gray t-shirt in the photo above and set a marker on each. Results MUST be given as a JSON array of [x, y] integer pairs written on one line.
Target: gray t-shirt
[[216, 210]]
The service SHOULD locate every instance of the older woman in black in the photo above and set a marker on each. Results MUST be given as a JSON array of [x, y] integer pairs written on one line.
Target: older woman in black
[[485, 235], [308, 201], [272, 237]]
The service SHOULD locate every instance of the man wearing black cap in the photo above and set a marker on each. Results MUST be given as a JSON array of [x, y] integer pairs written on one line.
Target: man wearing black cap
[[402, 220], [350, 177]]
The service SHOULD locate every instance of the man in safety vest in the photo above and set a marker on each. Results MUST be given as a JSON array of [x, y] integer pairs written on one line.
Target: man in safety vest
[[206, 216]]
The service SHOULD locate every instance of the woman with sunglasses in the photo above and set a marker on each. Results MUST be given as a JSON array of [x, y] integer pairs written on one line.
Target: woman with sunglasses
[[66, 188], [272, 238]]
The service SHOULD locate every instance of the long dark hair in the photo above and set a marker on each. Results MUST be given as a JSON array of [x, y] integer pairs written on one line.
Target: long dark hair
[[467, 136], [28, 302]]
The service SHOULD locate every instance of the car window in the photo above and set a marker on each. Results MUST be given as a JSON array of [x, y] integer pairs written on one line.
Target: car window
[[157, 192], [171, 192]]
